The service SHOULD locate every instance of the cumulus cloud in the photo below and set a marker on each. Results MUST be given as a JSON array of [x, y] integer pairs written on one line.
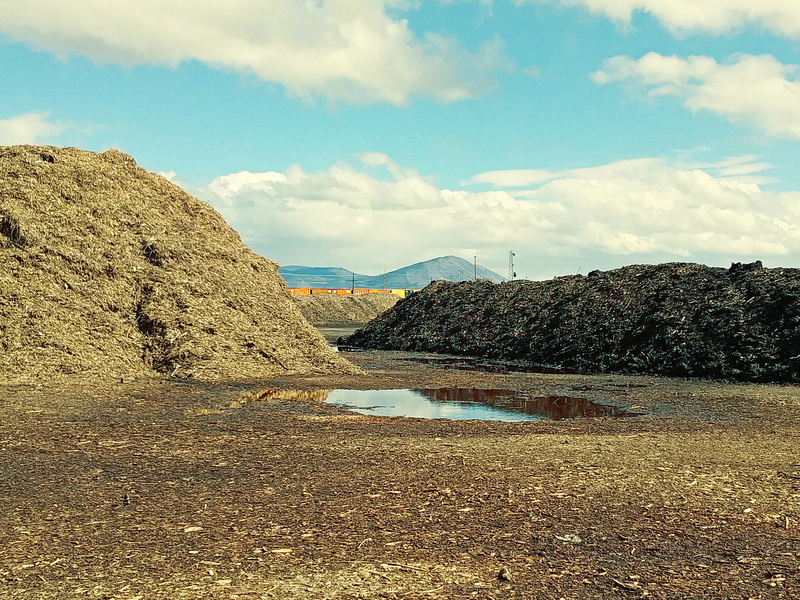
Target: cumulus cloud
[[351, 50], [711, 16], [626, 209], [30, 128], [758, 91]]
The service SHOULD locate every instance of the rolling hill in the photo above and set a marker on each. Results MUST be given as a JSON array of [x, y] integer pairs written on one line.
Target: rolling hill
[[416, 276]]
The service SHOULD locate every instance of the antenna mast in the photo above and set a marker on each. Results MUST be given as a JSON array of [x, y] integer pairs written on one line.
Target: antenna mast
[[511, 273]]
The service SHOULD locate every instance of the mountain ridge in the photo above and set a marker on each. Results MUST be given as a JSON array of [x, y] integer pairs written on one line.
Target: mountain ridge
[[415, 276]]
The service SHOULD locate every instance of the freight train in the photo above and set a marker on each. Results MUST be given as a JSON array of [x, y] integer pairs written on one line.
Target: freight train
[[347, 291]]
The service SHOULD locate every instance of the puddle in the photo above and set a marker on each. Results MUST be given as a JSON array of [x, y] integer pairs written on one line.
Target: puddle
[[553, 408], [447, 403]]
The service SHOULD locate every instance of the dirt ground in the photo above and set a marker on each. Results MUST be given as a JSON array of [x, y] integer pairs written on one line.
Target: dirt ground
[[175, 489]]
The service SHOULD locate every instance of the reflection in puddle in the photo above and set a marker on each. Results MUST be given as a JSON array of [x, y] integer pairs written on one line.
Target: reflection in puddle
[[446, 403], [541, 407]]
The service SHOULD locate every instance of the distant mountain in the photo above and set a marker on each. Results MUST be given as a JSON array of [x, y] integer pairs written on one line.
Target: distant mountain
[[317, 277], [418, 275], [413, 277]]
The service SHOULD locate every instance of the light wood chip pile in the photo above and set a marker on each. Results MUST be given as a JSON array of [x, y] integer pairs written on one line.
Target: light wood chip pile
[[332, 309], [109, 270]]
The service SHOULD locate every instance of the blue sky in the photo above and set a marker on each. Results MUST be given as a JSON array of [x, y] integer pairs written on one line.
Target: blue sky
[[580, 134]]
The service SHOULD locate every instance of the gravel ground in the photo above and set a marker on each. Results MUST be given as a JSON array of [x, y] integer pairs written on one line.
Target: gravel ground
[[175, 489]]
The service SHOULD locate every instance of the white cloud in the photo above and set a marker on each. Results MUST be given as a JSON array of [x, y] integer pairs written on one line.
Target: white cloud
[[30, 128], [626, 209], [746, 167], [755, 90], [351, 50], [515, 177], [711, 16]]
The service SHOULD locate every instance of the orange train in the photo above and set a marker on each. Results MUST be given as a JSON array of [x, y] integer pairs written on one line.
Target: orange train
[[346, 291]]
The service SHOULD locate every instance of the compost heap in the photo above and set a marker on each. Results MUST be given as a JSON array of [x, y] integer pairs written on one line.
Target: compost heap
[[350, 309], [676, 319], [106, 269]]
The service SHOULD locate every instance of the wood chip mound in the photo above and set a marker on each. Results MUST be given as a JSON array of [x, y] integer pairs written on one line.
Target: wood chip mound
[[107, 270], [674, 319], [332, 309]]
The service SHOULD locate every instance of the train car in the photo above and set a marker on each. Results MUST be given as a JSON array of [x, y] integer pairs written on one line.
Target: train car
[[348, 291]]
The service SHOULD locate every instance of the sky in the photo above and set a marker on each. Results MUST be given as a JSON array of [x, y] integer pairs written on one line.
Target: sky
[[373, 134]]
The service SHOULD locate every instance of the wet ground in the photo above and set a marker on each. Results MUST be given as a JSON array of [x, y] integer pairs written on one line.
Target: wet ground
[[175, 489]]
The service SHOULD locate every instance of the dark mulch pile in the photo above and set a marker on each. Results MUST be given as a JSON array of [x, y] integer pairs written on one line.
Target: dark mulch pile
[[675, 319]]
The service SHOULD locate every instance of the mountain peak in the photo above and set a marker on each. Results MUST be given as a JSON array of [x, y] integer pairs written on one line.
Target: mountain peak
[[416, 276]]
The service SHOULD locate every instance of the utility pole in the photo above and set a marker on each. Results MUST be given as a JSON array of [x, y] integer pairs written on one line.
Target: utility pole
[[475, 269], [511, 273]]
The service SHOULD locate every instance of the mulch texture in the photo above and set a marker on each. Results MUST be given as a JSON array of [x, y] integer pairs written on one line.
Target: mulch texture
[[109, 270], [675, 319], [351, 309], [167, 489]]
